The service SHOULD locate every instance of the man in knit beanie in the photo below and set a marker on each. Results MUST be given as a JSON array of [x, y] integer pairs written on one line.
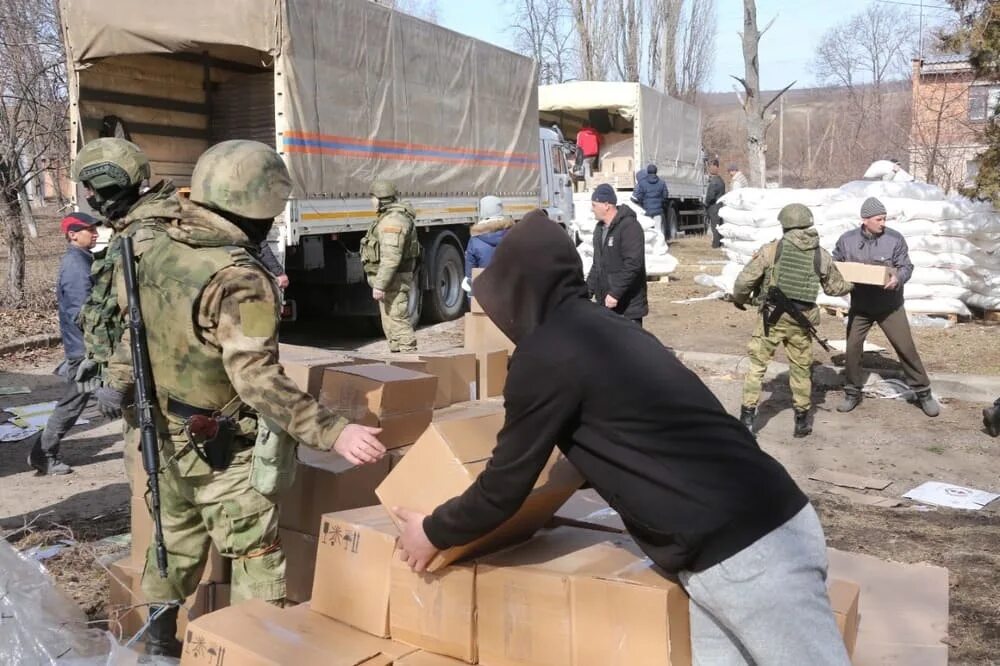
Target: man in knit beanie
[[873, 243]]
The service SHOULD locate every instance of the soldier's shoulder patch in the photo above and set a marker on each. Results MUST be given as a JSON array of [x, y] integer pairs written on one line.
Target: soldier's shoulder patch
[[391, 229], [391, 238], [257, 319]]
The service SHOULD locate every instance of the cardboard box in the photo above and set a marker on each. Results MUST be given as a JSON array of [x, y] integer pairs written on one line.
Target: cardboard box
[[492, 369], [456, 373], [434, 611], [481, 334], [581, 597], [474, 305], [217, 568], [353, 562], [844, 598], [399, 401], [464, 410], [421, 658], [256, 633], [587, 509], [325, 483], [397, 360], [300, 564], [865, 273], [307, 373], [446, 460]]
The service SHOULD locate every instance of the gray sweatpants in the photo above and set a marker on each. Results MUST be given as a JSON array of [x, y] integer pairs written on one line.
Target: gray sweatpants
[[66, 412], [767, 604]]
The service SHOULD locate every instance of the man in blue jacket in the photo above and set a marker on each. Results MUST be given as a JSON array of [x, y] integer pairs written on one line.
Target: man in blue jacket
[[651, 193], [72, 291]]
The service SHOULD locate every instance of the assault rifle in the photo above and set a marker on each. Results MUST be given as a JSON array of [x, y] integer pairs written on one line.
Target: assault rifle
[[145, 400], [777, 304]]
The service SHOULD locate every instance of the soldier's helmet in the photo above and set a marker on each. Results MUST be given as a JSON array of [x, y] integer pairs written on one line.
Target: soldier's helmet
[[384, 189], [795, 216], [245, 178], [110, 163]]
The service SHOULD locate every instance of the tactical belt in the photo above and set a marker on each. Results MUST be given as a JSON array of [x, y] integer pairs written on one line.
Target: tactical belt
[[186, 411]]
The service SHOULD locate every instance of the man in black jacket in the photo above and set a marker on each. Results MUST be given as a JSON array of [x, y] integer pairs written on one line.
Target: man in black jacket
[[716, 188], [690, 482], [618, 276]]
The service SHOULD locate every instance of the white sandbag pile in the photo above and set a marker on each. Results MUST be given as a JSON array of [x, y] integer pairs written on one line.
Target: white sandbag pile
[[659, 261], [954, 242]]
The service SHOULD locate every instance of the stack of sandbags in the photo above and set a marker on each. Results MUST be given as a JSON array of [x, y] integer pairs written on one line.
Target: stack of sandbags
[[953, 242], [659, 261]]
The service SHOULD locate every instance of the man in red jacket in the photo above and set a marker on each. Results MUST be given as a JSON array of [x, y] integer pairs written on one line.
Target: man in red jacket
[[588, 143]]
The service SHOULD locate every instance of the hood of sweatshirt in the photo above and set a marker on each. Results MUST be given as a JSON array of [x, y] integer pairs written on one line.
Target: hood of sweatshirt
[[804, 239], [200, 227], [534, 271]]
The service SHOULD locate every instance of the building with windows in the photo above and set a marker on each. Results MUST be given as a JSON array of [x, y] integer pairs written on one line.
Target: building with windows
[[950, 110]]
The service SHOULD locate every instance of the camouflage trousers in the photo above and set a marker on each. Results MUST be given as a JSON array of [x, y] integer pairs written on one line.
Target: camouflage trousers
[[395, 322], [798, 349], [224, 509]]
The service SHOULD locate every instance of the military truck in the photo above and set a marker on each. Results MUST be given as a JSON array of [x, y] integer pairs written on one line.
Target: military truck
[[347, 91]]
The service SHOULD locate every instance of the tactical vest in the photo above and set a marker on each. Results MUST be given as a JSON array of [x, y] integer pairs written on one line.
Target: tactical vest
[[371, 254], [796, 272], [186, 368]]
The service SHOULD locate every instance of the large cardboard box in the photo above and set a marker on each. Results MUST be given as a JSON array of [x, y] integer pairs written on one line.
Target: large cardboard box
[[307, 373], [434, 611], [844, 597], [421, 658], [492, 369], [865, 273], [474, 305], [256, 633], [353, 561], [481, 334], [580, 597], [448, 458], [325, 483], [464, 410], [456, 373], [399, 401], [300, 564], [588, 509], [217, 568]]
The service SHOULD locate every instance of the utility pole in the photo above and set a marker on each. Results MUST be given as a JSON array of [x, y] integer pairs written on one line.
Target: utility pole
[[781, 138]]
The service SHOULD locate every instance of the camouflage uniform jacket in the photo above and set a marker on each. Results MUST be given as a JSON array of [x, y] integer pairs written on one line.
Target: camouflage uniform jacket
[[390, 248], [227, 345], [756, 275], [101, 318]]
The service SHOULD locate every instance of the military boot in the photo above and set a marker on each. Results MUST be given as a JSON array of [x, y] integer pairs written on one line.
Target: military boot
[[852, 398], [161, 637], [928, 403], [802, 425], [747, 415], [47, 464], [991, 419]]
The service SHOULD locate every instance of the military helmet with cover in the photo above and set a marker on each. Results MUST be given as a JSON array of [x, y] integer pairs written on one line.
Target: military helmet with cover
[[795, 216], [110, 162], [244, 178], [384, 189]]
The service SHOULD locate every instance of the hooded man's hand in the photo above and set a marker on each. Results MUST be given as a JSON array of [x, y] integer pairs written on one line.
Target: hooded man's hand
[[414, 547]]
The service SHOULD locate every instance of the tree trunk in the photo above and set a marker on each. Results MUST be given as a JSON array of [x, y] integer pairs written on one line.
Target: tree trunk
[[14, 235], [756, 127]]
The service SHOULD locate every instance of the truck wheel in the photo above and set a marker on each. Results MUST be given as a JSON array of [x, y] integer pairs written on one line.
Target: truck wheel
[[445, 299]]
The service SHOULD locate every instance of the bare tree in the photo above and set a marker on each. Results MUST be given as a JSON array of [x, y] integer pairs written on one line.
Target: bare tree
[[757, 117], [627, 19], [33, 112], [696, 48], [542, 29], [424, 9], [592, 36]]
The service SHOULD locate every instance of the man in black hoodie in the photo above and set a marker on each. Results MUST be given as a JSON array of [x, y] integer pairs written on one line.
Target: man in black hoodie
[[695, 491], [618, 276]]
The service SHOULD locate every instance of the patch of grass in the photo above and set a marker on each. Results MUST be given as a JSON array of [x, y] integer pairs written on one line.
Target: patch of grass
[[935, 448]]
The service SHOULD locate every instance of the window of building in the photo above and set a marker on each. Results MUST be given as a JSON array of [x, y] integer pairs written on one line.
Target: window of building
[[983, 102]]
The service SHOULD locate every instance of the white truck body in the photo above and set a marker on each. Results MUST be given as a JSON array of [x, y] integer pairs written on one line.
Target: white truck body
[[347, 91]]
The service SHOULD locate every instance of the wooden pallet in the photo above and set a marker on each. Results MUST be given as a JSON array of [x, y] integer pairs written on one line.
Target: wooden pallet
[[841, 313], [988, 316]]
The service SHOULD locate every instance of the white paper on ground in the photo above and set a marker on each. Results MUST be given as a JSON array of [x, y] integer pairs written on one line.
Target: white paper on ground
[[955, 497], [841, 346], [36, 415]]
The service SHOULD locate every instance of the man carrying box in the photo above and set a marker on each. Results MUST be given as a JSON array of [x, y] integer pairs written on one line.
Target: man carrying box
[[693, 488], [872, 243]]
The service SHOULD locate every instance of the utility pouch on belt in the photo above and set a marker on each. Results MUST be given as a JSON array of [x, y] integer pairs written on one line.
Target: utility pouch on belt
[[274, 454], [212, 439]]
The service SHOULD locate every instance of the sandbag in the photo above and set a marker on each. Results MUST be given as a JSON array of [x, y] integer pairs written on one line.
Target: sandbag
[[879, 169]]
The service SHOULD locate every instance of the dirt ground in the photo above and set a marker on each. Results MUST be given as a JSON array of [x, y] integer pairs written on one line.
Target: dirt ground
[[883, 438]]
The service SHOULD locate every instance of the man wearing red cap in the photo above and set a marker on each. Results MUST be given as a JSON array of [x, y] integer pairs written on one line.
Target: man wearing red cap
[[72, 291]]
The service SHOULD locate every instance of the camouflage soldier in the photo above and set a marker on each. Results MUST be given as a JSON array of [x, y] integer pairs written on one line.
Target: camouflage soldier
[[798, 266], [389, 253], [211, 312]]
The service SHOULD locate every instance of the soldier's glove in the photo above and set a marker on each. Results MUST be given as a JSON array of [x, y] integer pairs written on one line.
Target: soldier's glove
[[88, 376], [110, 401]]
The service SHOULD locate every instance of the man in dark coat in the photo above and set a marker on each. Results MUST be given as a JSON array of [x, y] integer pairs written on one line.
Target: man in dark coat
[[716, 188], [651, 193], [618, 277], [694, 490]]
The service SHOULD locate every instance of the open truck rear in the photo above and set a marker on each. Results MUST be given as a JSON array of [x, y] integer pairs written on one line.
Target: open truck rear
[[638, 126], [347, 91]]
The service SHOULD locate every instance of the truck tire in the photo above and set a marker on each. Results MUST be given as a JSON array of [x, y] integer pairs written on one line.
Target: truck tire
[[445, 299]]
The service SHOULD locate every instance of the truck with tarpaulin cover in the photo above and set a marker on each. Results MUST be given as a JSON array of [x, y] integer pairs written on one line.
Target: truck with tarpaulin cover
[[347, 91], [638, 126]]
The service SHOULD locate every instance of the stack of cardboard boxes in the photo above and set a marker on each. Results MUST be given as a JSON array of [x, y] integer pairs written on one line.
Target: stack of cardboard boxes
[[491, 347]]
